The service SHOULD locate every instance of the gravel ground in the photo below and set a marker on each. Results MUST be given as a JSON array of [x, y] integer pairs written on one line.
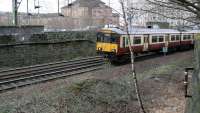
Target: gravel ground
[[146, 65], [160, 81]]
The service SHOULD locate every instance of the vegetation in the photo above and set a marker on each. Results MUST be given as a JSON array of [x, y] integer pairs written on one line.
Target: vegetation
[[25, 55], [88, 96], [179, 64]]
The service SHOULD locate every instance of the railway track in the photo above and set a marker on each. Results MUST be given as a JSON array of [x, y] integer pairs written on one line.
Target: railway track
[[21, 77]]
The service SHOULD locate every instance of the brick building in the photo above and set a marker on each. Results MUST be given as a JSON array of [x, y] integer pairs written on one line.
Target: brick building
[[90, 13], [80, 14]]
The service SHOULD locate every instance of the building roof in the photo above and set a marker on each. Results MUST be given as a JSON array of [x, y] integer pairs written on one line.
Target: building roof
[[86, 3]]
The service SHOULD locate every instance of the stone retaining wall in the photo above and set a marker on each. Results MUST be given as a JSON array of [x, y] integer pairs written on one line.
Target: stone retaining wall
[[25, 55], [49, 37], [46, 47]]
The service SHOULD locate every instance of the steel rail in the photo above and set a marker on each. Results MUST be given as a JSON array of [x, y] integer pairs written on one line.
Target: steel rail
[[44, 69], [20, 77], [48, 74], [48, 79], [48, 64]]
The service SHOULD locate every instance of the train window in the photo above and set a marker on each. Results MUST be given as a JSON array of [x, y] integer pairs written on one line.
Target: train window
[[106, 38], [186, 37], [107, 35], [154, 39], [177, 37], [137, 40], [161, 39], [173, 37], [189, 37], [99, 37], [124, 41], [114, 38]]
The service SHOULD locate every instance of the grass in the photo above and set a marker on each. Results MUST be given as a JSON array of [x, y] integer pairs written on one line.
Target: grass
[[88, 96], [178, 64]]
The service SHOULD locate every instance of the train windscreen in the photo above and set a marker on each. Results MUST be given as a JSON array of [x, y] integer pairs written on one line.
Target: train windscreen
[[106, 38]]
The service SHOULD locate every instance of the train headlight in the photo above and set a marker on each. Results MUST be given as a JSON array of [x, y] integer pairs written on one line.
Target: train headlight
[[100, 49], [114, 50]]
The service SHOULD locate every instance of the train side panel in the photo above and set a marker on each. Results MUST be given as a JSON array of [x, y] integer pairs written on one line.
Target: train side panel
[[156, 42], [114, 42], [137, 42]]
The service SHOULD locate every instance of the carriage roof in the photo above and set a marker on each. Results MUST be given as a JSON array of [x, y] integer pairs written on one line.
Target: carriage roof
[[140, 31], [192, 31]]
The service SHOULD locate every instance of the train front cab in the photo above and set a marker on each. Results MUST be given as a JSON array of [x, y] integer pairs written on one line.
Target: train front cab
[[107, 44]]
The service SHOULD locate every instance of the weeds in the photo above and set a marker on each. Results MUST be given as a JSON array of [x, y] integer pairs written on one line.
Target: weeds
[[88, 96]]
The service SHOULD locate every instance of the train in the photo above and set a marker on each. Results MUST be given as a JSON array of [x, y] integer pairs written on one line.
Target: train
[[113, 43]]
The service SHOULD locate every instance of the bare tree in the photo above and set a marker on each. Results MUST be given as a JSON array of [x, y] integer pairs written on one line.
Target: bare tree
[[187, 7], [132, 58], [181, 11]]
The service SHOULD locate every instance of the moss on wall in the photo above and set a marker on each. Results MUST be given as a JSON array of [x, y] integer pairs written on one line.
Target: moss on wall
[[24, 55], [71, 35], [49, 37], [31, 54]]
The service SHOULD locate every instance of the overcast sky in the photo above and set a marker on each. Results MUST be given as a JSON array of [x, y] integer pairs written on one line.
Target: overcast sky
[[49, 6]]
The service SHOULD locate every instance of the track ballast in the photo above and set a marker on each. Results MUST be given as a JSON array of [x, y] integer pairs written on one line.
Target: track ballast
[[21, 77]]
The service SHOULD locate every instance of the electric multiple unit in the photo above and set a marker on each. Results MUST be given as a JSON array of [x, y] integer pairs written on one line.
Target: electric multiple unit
[[114, 43]]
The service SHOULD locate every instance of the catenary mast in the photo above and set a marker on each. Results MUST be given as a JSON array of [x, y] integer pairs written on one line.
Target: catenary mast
[[15, 11]]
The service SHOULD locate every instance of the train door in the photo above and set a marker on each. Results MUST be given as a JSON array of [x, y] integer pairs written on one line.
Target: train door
[[167, 37], [146, 42], [122, 42], [99, 44], [193, 36], [106, 40]]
